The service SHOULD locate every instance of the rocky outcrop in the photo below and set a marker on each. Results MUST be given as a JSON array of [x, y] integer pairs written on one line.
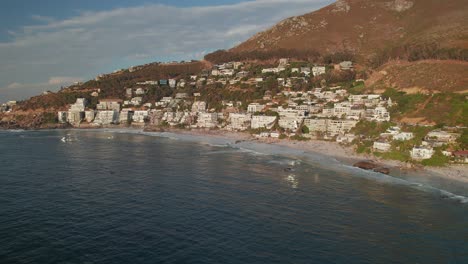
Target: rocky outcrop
[[400, 5], [372, 166]]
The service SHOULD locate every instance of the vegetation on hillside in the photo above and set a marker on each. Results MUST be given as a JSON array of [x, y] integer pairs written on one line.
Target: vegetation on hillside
[[222, 56]]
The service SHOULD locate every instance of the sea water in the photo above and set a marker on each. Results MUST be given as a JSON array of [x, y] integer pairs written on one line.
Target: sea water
[[109, 197]]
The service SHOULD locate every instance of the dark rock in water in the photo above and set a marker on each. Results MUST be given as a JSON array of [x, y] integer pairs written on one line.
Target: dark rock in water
[[366, 165], [370, 165], [289, 169], [382, 170]]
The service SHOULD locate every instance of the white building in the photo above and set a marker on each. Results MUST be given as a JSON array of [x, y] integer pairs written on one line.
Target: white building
[[226, 72], [290, 119], [336, 127], [330, 126], [199, 107], [90, 115], [346, 139], [109, 104], [125, 116], [139, 91], [316, 125], [136, 101], [140, 116], [106, 117], [239, 121], [382, 146], [255, 107], [403, 136], [207, 120], [341, 109], [346, 65], [79, 105], [263, 122], [318, 70], [381, 115], [421, 153], [75, 117], [172, 83], [62, 117], [305, 70], [441, 136]]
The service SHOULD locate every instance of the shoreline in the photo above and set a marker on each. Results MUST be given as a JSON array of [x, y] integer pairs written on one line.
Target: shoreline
[[343, 154]]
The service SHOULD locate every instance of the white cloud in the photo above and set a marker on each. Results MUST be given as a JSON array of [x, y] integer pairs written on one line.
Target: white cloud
[[61, 80], [97, 42], [23, 90]]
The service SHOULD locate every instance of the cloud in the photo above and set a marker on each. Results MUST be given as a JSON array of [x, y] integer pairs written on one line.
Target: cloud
[[98, 42], [23, 90], [63, 80]]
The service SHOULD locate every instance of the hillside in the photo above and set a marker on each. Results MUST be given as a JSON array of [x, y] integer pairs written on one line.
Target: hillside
[[112, 85], [369, 28], [426, 76]]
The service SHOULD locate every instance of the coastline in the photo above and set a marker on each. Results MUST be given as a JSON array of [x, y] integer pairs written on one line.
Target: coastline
[[344, 155]]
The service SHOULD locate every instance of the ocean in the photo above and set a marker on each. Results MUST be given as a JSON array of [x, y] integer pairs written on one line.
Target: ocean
[[120, 197]]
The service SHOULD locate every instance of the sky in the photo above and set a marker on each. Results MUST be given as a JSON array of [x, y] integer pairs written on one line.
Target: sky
[[52, 43]]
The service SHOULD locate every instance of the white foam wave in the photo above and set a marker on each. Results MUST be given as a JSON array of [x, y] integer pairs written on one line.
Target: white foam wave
[[296, 157]]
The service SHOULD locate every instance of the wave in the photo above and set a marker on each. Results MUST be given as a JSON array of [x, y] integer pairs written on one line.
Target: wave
[[293, 157], [389, 179], [13, 131]]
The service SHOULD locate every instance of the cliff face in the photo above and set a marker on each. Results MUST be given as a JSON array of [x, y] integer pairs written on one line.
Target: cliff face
[[366, 27]]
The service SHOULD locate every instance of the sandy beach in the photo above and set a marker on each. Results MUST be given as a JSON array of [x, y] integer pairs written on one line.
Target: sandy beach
[[344, 154]]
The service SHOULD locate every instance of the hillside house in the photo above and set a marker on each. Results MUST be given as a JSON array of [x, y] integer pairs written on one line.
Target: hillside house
[[172, 83], [79, 105], [461, 156], [346, 138], [109, 104], [382, 146], [255, 107], [305, 70], [318, 70], [380, 114], [346, 65], [242, 74], [199, 107], [441, 137], [422, 153], [136, 101], [403, 136]]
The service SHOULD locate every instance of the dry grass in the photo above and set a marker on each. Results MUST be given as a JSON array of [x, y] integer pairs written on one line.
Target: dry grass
[[422, 77]]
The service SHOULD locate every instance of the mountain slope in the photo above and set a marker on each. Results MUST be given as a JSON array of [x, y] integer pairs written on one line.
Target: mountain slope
[[366, 27]]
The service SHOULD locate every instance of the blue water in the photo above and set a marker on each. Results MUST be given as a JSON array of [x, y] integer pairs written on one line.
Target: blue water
[[106, 197]]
